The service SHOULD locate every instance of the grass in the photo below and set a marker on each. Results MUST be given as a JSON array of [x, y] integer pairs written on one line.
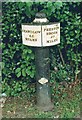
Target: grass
[[66, 105]]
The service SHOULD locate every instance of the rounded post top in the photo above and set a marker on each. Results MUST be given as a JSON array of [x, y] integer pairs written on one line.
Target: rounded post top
[[40, 17]]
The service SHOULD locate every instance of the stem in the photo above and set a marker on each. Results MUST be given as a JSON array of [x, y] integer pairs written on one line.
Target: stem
[[61, 56]]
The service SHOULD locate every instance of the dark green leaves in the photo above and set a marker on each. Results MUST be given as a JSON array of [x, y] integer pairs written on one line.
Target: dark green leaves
[[28, 9], [23, 72], [18, 74], [58, 5], [29, 51], [18, 70], [21, 5], [19, 59], [49, 4]]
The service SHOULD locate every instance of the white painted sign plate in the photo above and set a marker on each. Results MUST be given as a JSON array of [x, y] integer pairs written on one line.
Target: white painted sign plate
[[31, 35], [41, 35], [51, 34]]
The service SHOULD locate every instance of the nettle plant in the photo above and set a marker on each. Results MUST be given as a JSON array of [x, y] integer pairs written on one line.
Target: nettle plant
[[18, 59]]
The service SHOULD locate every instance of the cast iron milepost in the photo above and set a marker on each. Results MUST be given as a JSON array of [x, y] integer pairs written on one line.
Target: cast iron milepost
[[42, 71], [41, 34]]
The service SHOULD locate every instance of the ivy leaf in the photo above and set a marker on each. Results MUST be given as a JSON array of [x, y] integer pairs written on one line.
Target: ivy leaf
[[29, 51], [28, 72], [21, 5], [18, 70], [19, 89], [32, 56], [23, 73], [32, 75], [58, 4], [19, 74], [77, 72], [28, 57], [49, 4], [28, 8]]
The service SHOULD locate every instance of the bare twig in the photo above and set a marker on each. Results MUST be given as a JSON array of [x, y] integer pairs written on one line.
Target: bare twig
[[61, 56]]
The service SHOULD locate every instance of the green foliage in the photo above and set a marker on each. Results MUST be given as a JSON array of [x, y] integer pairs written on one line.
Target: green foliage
[[18, 88], [59, 71], [19, 71], [18, 59]]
